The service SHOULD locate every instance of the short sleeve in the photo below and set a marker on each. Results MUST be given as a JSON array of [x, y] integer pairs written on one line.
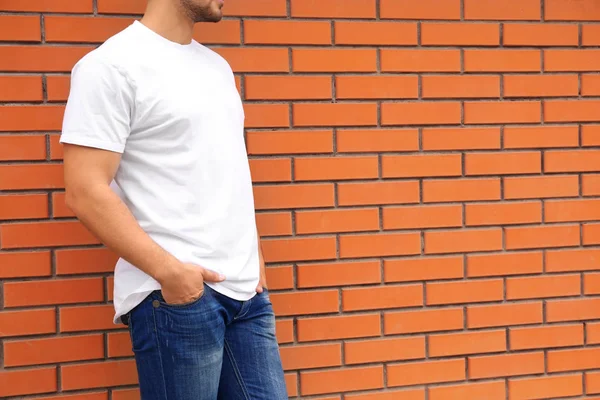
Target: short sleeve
[[99, 107]]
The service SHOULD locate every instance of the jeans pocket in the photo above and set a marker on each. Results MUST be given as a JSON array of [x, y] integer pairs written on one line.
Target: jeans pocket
[[192, 303]]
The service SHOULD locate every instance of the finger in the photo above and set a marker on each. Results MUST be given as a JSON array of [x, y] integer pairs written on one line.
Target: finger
[[212, 276], [259, 289]]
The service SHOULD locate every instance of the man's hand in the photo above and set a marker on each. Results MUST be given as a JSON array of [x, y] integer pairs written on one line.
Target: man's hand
[[185, 283], [262, 283]]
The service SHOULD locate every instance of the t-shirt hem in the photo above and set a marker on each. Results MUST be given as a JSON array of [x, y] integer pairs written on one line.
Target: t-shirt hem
[[98, 144]]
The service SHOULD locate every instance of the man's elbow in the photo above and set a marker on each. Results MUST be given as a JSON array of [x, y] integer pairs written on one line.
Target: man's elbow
[[75, 199]]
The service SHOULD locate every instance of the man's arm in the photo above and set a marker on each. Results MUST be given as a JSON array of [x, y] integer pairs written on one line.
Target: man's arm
[[88, 173], [262, 283]]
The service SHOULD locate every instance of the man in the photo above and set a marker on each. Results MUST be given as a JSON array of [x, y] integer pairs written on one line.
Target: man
[[156, 167]]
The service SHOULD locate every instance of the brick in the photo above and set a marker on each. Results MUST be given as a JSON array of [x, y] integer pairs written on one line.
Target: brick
[[281, 277], [456, 292], [546, 387], [481, 390], [126, 394], [377, 140], [447, 190], [544, 34], [540, 187], [56, 149], [502, 60], [590, 35], [349, 379], [267, 115], [291, 382], [334, 9], [427, 320], [466, 138], [506, 365], [85, 261], [283, 87], [288, 32], [44, 292], [573, 359], [21, 264], [271, 170], [571, 60], [420, 60], [294, 196], [424, 9], [571, 210], [378, 350], [421, 165], [421, 373], [457, 34], [495, 112], [87, 318], [567, 111], [311, 356], [503, 214], [590, 84], [590, 185], [590, 135], [503, 163], [284, 329], [82, 29], [399, 192], [460, 86], [379, 245], [504, 315], [101, 374], [289, 142], [53, 350], [259, 8], [338, 274], [334, 60], [558, 10], [45, 234], [251, 59], [110, 287], [274, 224], [592, 382], [117, 7], [59, 206], [541, 137], [382, 297], [571, 161], [29, 381], [335, 168], [23, 206], [27, 322], [421, 113], [451, 344], [591, 284], [591, 234], [351, 220], [225, 32], [119, 345], [31, 117], [409, 394], [40, 58], [572, 310], [69, 6], [377, 87], [572, 260], [278, 250], [85, 396], [458, 241], [541, 86], [339, 327], [592, 333], [335, 114], [414, 217], [541, 236], [506, 10], [423, 269], [502, 264], [20, 88], [304, 303], [22, 28], [541, 337], [375, 33]]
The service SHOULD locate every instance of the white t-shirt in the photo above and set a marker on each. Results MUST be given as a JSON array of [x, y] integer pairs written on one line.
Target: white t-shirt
[[175, 114]]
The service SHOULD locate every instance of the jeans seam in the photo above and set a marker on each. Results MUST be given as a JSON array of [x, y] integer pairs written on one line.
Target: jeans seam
[[162, 367], [238, 375]]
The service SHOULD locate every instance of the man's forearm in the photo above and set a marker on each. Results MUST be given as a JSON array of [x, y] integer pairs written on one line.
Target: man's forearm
[[107, 217]]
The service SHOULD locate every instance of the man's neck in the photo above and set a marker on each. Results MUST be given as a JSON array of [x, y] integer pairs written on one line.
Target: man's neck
[[169, 21]]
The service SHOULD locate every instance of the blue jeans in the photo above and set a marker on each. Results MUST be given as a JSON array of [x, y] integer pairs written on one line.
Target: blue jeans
[[214, 348]]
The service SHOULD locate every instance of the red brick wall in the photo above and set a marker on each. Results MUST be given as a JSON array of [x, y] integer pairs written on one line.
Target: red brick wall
[[427, 180]]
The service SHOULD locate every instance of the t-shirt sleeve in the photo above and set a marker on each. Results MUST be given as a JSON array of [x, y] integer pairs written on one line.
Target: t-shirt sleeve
[[99, 107]]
